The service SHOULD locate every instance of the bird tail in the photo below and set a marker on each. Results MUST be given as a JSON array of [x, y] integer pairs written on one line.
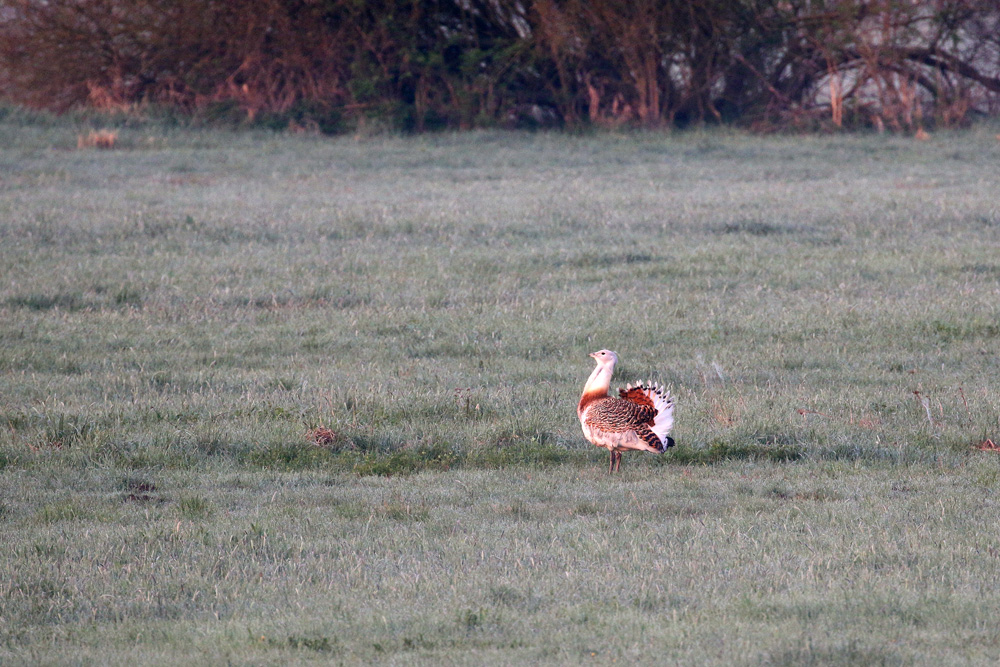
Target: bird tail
[[654, 396], [664, 419]]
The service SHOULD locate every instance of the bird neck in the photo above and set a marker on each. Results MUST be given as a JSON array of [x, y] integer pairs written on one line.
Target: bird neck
[[597, 386]]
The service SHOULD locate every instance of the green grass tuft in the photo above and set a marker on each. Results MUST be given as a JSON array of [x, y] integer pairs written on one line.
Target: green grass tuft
[[529, 453], [409, 460], [291, 457], [316, 644], [194, 508], [718, 452]]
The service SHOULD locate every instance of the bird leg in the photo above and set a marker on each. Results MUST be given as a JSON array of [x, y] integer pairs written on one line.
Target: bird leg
[[611, 465], [618, 461]]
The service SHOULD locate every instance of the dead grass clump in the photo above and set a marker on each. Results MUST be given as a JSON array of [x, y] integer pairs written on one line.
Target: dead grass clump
[[97, 139], [322, 437], [987, 446], [725, 413]]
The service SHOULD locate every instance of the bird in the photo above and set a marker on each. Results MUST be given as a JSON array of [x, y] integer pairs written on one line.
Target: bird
[[639, 418]]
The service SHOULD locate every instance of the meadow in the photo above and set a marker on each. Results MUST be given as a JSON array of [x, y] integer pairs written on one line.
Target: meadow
[[180, 316]]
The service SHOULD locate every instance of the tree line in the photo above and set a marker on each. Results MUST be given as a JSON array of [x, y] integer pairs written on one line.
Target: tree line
[[430, 64]]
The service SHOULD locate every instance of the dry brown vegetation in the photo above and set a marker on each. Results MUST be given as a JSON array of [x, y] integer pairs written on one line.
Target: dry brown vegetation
[[97, 139], [332, 65]]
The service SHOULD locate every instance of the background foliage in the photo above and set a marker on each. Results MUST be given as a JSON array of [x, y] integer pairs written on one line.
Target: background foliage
[[333, 65]]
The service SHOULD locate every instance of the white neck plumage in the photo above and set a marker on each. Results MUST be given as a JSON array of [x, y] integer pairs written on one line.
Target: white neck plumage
[[599, 381]]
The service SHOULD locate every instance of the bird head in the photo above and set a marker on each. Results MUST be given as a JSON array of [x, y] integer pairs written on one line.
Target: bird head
[[605, 358]]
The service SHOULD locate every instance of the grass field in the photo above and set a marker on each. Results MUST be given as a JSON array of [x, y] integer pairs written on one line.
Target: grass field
[[178, 313]]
